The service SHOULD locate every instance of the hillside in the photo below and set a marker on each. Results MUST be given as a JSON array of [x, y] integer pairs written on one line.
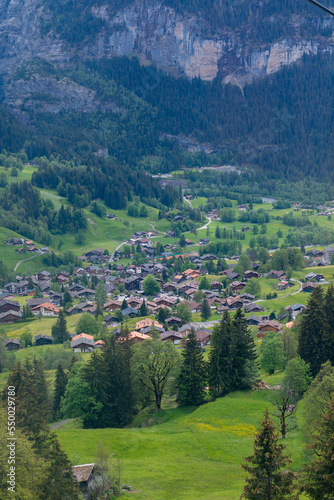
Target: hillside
[[251, 86]]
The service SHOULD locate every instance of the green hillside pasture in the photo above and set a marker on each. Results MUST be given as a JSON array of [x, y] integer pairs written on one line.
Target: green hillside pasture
[[36, 326], [195, 456]]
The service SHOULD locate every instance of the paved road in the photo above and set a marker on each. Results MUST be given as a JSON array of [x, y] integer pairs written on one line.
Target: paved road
[[206, 225], [25, 260], [58, 424], [188, 201], [288, 295]]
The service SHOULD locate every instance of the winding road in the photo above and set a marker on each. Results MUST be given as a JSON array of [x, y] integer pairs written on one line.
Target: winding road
[[25, 260], [283, 297]]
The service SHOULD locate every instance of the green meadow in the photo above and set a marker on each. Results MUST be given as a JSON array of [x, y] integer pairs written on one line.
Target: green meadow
[[184, 453]]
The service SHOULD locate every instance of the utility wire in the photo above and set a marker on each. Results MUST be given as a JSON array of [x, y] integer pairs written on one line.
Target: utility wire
[[323, 7]]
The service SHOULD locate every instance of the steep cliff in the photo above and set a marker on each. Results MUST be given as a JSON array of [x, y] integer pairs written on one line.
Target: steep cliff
[[179, 43]]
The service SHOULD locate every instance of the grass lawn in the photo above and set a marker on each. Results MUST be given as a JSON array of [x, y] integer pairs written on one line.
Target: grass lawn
[[191, 455]]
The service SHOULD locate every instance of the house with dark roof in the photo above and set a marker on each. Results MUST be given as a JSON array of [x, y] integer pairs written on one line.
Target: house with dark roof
[[13, 344], [84, 475], [83, 343], [42, 339]]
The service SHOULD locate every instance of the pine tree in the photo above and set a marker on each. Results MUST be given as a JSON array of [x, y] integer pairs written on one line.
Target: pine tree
[[60, 387], [243, 350], [143, 309], [119, 406], [329, 311], [318, 475], [221, 372], [312, 332], [190, 383], [205, 310], [59, 330], [267, 480], [124, 304]]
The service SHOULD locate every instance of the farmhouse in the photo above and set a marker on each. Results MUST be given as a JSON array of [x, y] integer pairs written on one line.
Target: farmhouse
[[13, 344], [42, 339], [308, 286], [46, 309], [83, 343], [85, 478], [268, 326]]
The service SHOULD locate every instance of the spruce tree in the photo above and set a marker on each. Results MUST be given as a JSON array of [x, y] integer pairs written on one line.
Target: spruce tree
[[244, 350], [190, 383], [221, 372], [329, 311], [59, 392], [119, 406], [124, 304], [143, 309], [267, 480], [318, 475], [313, 332], [205, 310], [59, 330]]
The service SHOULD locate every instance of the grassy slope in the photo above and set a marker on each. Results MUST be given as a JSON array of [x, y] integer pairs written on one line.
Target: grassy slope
[[194, 455]]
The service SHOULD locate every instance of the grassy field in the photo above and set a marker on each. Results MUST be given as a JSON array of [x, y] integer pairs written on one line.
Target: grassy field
[[190, 454]]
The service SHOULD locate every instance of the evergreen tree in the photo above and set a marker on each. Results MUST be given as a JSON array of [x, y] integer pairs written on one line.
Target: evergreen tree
[[67, 299], [243, 350], [312, 332], [318, 475], [329, 312], [119, 407], [59, 330], [143, 309], [221, 372], [59, 392], [267, 480], [205, 310], [190, 383], [124, 304]]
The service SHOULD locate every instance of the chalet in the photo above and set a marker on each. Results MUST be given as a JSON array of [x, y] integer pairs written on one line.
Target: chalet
[[203, 337], [215, 285], [110, 319], [171, 335], [86, 293], [112, 305], [221, 309], [173, 321], [276, 274], [83, 343], [237, 285], [193, 306], [232, 303], [13, 344], [136, 337], [9, 305], [245, 229], [44, 276], [247, 297], [232, 275], [129, 312], [308, 286], [84, 475], [76, 287], [283, 285], [168, 287], [251, 274], [204, 241], [253, 307], [208, 256], [254, 320], [144, 323], [46, 309], [190, 293], [36, 302], [133, 283], [10, 316], [268, 326], [42, 339], [164, 301], [99, 344], [178, 278], [315, 277], [186, 329], [96, 254]]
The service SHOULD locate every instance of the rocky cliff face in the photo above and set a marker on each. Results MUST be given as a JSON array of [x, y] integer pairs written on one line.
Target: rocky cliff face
[[175, 43]]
